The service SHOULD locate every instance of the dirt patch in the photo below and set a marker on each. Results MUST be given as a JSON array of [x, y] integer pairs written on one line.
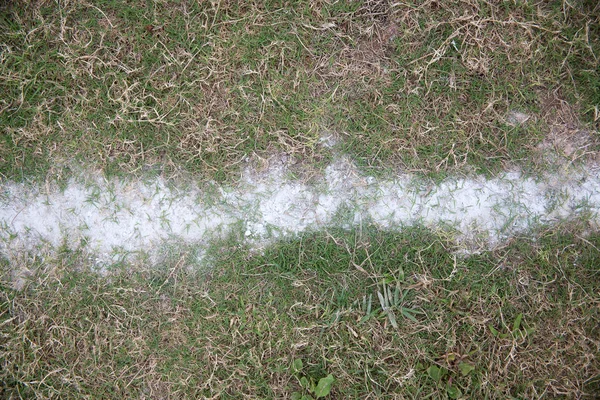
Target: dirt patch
[[567, 138], [372, 49]]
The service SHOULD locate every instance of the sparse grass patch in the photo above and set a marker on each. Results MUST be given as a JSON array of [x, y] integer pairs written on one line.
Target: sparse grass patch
[[129, 86], [517, 322], [441, 78]]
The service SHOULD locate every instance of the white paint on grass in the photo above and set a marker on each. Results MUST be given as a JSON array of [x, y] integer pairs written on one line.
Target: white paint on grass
[[116, 218]]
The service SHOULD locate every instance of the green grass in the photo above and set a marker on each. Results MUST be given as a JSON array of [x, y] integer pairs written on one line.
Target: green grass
[[200, 89], [518, 322], [127, 87]]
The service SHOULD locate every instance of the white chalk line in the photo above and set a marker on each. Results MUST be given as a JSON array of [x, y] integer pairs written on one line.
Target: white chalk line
[[117, 217]]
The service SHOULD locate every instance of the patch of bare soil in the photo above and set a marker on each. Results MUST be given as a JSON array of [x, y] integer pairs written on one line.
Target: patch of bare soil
[[567, 137]]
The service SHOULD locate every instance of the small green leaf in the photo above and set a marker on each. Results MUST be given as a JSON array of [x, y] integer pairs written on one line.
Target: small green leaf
[[364, 319], [382, 301], [465, 369], [297, 365], [401, 274], [404, 294], [493, 330], [392, 319], [434, 373], [517, 323], [324, 386], [453, 392], [407, 312], [296, 396], [307, 397], [305, 383]]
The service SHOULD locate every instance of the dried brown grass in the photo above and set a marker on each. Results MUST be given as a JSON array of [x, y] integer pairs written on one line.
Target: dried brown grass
[[207, 86], [235, 331]]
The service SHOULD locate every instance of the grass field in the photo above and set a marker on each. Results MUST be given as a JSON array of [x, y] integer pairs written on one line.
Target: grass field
[[201, 91], [128, 87], [517, 322]]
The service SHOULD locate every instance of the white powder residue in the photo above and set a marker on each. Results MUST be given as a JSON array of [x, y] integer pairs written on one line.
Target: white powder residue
[[127, 217]]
